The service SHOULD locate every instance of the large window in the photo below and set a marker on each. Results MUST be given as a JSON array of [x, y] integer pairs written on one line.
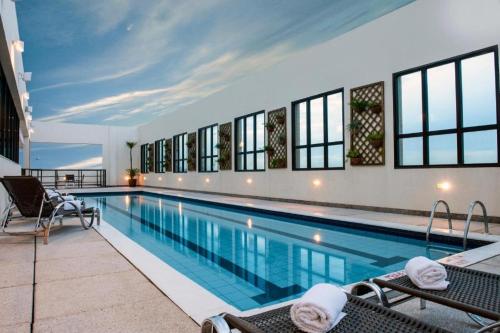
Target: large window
[[446, 113], [208, 151], [249, 143], [160, 156], [180, 153], [318, 131], [9, 123], [145, 158]]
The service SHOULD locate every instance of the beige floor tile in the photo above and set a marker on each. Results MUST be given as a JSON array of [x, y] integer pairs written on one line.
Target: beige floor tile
[[72, 234], [155, 315], [16, 274], [22, 328], [16, 252], [57, 250], [78, 267], [15, 306], [65, 297]]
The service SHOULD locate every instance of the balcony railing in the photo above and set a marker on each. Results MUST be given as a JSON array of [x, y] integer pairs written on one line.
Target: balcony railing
[[69, 178]]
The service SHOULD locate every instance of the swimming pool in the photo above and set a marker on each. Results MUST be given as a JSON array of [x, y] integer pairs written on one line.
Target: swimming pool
[[252, 259]]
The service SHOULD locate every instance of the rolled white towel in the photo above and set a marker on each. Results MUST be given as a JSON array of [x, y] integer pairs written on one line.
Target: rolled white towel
[[319, 309], [69, 197], [69, 206], [426, 273]]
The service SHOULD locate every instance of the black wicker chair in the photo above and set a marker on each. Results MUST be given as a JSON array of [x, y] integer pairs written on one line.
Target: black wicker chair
[[362, 317], [29, 196], [472, 291]]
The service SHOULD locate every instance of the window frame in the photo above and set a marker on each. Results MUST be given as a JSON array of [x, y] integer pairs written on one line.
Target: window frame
[[160, 156], [9, 122], [459, 129], [145, 158], [244, 152], [180, 161], [325, 143], [214, 152]]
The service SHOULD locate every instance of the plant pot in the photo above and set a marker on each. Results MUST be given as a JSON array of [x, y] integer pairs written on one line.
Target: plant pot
[[377, 143], [270, 129], [359, 110], [355, 132], [280, 119], [377, 108], [132, 182], [356, 160]]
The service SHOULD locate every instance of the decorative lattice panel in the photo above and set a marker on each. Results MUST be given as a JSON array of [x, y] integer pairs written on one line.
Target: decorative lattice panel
[[191, 159], [225, 131], [151, 157], [276, 139], [370, 120], [168, 155]]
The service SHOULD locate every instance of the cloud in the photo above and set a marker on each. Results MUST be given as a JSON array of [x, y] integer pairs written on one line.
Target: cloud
[[90, 163]]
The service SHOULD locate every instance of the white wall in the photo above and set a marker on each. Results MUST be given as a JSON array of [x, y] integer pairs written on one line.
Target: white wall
[[420, 33], [112, 138]]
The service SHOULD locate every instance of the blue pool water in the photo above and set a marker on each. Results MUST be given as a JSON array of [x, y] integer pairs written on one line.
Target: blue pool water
[[251, 259]]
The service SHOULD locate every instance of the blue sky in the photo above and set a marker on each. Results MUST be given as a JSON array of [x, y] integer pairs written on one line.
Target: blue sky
[[124, 62], [65, 156]]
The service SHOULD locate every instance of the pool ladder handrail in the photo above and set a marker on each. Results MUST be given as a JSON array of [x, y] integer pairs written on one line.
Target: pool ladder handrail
[[431, 218], [470, 210]]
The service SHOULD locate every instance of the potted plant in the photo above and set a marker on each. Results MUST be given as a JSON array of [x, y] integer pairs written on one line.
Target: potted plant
[[224, 136], [277, 163], [355, 156], [270, 127], [376, 138], [375, 107], [282, 139], [359, 105], [191, 142], [269, 149], [132, 172], [280, 118], [355, 126], [218, 146]]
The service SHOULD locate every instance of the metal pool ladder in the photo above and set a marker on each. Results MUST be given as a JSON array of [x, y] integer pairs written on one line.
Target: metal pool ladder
[[469, 218], [431, 218]]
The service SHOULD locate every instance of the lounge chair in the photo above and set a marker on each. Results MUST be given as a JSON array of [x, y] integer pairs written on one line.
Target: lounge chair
[[475, 292], [29, 196], [362, 317]]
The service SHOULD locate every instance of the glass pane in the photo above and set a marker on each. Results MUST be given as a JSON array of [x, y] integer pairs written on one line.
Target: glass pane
[[202, 143], [478, 90], [317, 157], [336, 156], [443, 149], [260, 132], [215, 165], [215, 140], [208, 144], [441, 97], [411, 151], [203, 165], [335, 124], [301, 158], [301, 124], [250, 165], [240, 162], [260, 161], [410, 103], [480, 147], [239, 135], [317, 120], [249, 134], [185, 151]]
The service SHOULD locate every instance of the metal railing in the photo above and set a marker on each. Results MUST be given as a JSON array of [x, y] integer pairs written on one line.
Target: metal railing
[[69, 178]]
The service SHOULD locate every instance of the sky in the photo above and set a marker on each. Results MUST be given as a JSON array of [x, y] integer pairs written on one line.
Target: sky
[[65, 156], [125, 62]]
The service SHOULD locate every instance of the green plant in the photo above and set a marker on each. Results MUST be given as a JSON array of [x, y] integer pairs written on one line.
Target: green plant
[[353, 153], [218, 146], [278, 163], [282, 139], [130, 171], [269, 149], [359, 105], [355, 126], [376, 107], [191, 142], [270, 127], [375, 135], [280, 118]]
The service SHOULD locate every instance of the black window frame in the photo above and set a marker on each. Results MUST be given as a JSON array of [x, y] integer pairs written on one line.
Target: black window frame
[[145, 158], [9, 122], [325, 143], [160, 156], [214, 152], [244, 152], [180, 162], [459, 129]]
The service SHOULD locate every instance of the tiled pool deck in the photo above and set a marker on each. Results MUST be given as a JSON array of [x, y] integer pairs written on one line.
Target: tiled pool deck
[[80, 283]]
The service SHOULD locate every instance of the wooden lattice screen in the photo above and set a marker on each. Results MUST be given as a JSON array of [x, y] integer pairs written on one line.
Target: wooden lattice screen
[[225, 132], [168, 155], [191, 159], [151, 157], [276, 139], [371, 120]]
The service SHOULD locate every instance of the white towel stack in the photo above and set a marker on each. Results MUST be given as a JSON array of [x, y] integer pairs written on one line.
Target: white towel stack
[[426, 273], [68, 205], [319, 309]]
